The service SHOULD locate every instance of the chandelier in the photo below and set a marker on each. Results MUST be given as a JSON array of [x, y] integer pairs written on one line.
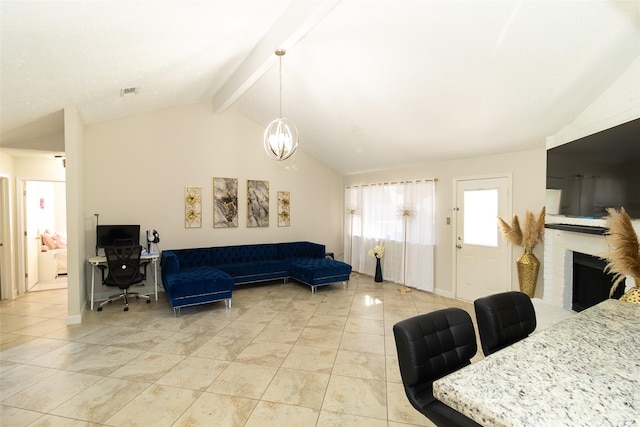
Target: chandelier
[[281, 136]]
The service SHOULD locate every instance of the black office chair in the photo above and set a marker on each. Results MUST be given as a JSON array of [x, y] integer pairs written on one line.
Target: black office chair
[[504, 319], [119, 242], [124, 270], [431, 346]]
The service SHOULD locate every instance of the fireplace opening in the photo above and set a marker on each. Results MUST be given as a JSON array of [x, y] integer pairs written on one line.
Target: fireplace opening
[[591, 285]]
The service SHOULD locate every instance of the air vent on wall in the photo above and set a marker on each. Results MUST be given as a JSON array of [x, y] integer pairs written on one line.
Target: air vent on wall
[[128, 91]]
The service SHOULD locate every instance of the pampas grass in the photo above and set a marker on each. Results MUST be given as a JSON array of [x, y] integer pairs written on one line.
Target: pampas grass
[[527, 237], [624, 249]]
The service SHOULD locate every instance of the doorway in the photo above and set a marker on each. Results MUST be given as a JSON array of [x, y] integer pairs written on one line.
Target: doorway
[[483, 258], [44, 229]]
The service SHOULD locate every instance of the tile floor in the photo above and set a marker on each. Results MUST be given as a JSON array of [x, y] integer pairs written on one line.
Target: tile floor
[[280, 357]]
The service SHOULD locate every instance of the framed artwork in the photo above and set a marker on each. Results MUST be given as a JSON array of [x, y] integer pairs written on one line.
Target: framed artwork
[[193, 207], [225, 202], [284, 201], [257, 203]]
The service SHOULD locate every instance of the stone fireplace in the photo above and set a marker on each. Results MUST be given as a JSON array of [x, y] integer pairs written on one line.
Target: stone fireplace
[[591, 284], [559, 245], [561, 241]]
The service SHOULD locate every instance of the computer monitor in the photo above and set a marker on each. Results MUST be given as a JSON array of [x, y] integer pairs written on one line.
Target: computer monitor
[[114, 235]]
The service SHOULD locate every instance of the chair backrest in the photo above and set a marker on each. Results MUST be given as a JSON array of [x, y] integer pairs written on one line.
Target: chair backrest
[[124, 265], [433, 345], [123, 242], [504, 319]]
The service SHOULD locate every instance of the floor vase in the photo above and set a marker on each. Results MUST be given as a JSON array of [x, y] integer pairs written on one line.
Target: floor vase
[[378, 277], [528, 268], [632, 295]]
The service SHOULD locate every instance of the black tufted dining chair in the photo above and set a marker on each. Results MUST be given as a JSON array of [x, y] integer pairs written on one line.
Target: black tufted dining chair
[[504, 319], [431, 346]]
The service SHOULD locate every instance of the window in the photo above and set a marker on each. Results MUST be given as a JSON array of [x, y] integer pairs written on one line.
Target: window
[[480, 213], [399, 215]]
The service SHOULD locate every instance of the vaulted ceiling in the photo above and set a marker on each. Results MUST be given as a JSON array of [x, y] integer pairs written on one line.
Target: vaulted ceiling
[[370, 84]]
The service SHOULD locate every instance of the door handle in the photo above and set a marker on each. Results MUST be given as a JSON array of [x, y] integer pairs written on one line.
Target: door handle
[[459, 246]]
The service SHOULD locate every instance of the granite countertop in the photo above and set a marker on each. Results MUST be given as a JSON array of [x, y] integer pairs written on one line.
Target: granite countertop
[[582, 371]]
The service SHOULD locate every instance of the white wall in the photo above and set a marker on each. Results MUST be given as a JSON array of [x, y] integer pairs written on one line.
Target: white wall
[[136, 170], [527, 169], [39, 169], [76, 253]]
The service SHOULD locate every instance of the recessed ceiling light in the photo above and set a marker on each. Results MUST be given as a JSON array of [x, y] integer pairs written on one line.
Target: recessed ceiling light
[[128, 91]]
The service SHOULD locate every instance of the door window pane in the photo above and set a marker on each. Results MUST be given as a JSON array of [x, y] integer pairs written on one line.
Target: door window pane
[[481, 217]]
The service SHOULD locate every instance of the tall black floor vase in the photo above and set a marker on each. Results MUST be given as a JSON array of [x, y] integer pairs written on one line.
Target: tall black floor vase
[[378, 271]]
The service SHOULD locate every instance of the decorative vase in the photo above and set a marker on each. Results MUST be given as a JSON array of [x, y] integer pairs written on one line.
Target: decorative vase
[[632, 295], [528, 267], [378, 277]]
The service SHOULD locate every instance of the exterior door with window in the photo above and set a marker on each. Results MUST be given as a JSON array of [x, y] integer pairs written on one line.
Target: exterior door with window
[[483, 258]]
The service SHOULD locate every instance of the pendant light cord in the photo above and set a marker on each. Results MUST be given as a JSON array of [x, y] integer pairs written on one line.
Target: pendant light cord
[[280, 57]]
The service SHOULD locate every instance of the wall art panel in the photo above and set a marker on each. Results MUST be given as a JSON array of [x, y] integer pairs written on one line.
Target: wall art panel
[[257, 203], [193, 207], [284, 209], [225, 202]]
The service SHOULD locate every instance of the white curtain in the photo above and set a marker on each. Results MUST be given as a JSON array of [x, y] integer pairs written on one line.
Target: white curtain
[[400, 216]]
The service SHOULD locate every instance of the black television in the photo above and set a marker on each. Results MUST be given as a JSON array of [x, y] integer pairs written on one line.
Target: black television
[[113, 235], [597, 172]]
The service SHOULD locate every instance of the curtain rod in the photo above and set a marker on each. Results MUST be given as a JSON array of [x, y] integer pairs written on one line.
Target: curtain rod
[[394, 182]]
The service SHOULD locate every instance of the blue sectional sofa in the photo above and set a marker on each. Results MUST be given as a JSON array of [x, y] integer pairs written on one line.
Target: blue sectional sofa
[[203, 275]]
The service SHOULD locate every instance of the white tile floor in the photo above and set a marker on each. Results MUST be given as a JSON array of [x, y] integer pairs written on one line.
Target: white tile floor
[[280, 357]]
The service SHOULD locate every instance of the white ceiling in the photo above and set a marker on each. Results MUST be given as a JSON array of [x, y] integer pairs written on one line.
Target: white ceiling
[[370, 84]]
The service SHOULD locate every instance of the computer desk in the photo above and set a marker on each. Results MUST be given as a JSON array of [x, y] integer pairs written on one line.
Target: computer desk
[[95, 261]]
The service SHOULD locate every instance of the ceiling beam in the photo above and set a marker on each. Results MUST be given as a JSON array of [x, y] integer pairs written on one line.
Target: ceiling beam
[[297, 20]]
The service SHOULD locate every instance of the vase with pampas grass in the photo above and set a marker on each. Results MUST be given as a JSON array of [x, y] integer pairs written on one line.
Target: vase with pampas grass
[[528, 237], [624, 253]]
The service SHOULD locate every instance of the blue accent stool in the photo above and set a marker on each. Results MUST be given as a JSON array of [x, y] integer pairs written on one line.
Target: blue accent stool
[[204, 275], [320, 271]]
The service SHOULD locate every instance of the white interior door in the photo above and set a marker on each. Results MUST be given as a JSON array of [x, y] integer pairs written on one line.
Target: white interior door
[[483, 261]]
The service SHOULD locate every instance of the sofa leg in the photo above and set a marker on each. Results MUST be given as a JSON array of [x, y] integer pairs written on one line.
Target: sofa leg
[[346, 284], [176, 311], [227, 303]]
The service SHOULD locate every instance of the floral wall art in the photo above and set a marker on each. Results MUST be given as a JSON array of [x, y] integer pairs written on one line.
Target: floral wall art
[[225, 202], [284, 209], [257, 203], [193, 207]]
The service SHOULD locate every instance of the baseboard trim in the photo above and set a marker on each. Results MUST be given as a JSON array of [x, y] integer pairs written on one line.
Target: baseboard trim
[[74, 320], [446, 294]]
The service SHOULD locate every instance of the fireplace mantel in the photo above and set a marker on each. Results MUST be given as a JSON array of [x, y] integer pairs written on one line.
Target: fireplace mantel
[[577, 228]]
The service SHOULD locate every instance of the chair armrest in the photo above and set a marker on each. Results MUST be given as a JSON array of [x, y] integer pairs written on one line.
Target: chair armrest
[[169, 263]]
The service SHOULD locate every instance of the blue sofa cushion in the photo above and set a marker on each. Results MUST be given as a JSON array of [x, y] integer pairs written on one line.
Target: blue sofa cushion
[[256, 271], [226, 255], [189, 258], [300, 250]]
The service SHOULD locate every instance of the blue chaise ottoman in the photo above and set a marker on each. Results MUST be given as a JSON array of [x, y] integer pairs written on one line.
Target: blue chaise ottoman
[[320, 271]]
